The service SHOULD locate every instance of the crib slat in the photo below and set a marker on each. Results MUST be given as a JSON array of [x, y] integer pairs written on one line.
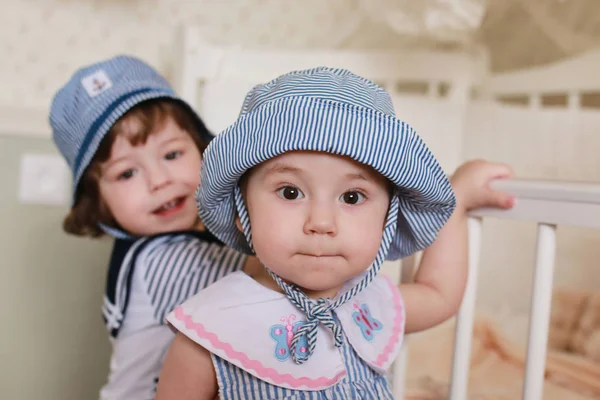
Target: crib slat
[[466, 314], [540, 312], [408, 266]]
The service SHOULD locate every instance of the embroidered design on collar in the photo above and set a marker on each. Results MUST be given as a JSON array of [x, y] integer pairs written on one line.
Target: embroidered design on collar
[[283, 335], [365, 321]]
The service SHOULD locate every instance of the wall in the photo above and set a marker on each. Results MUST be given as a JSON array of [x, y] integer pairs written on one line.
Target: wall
[[53, 343], [44, 41]]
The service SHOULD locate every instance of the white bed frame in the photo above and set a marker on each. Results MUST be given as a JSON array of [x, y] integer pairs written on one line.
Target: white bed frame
[[216, 79], [548, 204], [570, 79]]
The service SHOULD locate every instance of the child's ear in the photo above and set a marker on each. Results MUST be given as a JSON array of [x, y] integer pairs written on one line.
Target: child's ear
[[238, 223]]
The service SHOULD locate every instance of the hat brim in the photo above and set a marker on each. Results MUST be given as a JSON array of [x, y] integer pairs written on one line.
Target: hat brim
[[298, 123]]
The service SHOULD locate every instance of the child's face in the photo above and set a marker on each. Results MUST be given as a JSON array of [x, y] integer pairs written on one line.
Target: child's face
[[317, 219], [149, 188]]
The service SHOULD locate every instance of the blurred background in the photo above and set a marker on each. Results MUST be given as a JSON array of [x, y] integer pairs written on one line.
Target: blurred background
[[54, 345]]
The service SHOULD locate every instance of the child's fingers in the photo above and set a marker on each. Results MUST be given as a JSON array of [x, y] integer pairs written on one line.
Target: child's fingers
[[500, 200], [501, 171]]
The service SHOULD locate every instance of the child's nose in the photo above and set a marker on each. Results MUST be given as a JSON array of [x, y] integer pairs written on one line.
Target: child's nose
[[158, 177], [321, 220]]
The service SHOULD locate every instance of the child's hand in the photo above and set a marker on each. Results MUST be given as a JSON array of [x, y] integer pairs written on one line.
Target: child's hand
[[471, 185]]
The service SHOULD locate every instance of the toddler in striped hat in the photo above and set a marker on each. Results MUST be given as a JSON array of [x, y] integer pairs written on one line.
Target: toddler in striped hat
[[135, 148], [322, 182]]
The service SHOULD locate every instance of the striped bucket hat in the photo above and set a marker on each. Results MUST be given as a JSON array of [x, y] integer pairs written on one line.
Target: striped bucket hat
[[94, 98], [337, 112]]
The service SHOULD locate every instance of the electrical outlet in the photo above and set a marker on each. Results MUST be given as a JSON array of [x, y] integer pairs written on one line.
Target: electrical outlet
[[44, 179]]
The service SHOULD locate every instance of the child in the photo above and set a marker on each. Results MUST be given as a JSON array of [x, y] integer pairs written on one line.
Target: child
[[135, 150], [329, 185]]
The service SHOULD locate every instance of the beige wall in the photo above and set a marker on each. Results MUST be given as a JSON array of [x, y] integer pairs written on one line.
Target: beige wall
[[43, 41], [53, 344]]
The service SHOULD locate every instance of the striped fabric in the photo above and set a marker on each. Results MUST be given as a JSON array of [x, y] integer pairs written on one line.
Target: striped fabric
[[175, 267], [80, 120], [361, 382], [333, 111]]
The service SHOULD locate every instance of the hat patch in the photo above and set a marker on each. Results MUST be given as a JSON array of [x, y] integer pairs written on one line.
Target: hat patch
[[96, 83]]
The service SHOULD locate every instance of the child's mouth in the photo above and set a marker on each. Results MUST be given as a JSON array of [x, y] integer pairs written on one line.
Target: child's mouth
[[170, 208]]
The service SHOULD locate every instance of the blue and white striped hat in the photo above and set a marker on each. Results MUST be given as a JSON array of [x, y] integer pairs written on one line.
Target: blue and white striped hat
[[95, 97], [334, 111], [337, 112]]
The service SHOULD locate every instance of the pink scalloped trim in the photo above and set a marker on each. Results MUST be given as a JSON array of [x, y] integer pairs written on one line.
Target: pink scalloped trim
[[398, 332], [261, 370]]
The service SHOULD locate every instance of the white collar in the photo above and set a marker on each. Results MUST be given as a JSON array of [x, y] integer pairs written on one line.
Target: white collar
[[246, 324]]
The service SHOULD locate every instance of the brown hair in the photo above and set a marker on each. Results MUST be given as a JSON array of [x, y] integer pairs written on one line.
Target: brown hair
[[89, 210]]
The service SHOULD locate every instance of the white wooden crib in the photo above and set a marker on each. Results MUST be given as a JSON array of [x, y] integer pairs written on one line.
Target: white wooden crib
[[548, 204], [434, 92]]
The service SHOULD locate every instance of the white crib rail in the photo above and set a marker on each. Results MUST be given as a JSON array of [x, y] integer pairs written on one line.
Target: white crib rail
[[539, 318], [549, 204], [466, 317]]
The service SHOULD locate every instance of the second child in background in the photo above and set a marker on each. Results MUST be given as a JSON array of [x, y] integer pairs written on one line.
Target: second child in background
[[135, 148]]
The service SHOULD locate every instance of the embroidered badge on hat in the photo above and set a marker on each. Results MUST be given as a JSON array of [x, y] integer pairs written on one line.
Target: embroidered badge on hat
[[96, 83]]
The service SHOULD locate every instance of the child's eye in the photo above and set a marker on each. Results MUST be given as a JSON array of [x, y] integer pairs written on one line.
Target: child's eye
[[127, 174], [352, 197], [172, 155], [290, 193]]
